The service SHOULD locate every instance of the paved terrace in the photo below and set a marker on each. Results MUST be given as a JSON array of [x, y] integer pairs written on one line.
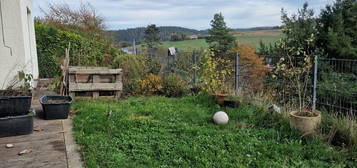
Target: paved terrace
[[51, 145]]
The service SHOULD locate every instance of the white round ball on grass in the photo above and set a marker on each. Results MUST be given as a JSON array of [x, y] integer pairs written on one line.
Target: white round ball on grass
[[220, 118]]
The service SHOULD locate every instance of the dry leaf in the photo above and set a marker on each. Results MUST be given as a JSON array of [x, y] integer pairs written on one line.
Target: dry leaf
[[26, 151], [38, 129]]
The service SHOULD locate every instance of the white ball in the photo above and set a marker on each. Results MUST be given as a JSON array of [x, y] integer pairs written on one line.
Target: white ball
[[220, 118]]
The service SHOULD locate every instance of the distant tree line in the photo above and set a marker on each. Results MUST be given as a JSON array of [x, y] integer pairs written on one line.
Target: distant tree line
[[166, 33]]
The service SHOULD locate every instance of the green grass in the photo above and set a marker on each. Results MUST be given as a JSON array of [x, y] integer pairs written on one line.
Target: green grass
[[254, 37], [251, 37], [178, 132], [186, 45]]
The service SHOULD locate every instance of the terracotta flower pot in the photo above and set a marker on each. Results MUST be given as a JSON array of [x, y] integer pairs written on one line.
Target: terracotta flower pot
[[306, 124], [220, 98]]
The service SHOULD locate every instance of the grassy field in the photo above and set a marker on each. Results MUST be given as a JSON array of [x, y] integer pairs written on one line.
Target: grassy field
[[178, 132], [254, 37], [186, 45], [251, 37]]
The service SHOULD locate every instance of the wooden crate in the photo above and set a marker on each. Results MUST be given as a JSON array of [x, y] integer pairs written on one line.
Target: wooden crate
[[95, 82]]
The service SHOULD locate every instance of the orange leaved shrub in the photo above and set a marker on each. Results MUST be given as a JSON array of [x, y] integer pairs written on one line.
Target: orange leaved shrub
[[252, 67]]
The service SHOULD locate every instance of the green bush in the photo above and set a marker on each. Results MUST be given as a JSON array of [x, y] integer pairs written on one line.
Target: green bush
[[154, 66], [51, 45], [134, 69], [174, 86]]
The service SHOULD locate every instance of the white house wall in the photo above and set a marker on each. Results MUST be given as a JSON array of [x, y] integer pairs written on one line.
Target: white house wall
[[17, 41]]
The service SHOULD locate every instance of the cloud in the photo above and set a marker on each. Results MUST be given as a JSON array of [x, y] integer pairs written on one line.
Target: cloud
[[120, 14]]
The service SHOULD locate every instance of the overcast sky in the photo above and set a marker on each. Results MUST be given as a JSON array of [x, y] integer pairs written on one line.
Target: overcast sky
[[122, 14]]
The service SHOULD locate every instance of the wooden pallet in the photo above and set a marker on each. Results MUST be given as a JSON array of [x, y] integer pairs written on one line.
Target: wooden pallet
[[95, 82]]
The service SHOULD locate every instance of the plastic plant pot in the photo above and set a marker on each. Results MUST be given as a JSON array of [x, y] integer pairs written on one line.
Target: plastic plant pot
[[231, 103], [5, 107], [14, 105], [21, 104], [56, 107], [16, 125]]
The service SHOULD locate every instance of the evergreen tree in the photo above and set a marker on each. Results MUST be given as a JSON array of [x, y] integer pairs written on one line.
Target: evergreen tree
[[220, 40], [338, 30], [152, 38]]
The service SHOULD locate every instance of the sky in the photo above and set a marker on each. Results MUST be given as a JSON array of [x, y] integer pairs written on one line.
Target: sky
[[196, 14]]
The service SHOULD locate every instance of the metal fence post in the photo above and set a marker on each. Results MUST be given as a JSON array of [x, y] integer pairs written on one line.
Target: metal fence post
[[314, 83], [194, 69], [236, 82]]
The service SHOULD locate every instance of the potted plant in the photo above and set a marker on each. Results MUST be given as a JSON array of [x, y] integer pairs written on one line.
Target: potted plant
[[15, 103], [18, 94], [304, 118], [215, 73], [232, 101], [299, 48], [221, 94]]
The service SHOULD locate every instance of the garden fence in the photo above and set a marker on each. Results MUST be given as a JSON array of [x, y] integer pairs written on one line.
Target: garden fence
[[332, 83]]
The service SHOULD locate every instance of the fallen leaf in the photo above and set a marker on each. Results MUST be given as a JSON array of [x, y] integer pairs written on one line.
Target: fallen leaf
[[38, 129], [26, 151]]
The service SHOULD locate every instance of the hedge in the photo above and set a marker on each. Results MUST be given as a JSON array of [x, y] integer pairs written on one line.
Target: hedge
[[51, 44]]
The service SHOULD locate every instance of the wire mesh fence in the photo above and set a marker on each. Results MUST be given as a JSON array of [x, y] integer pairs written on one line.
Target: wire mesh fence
[[337, 85], [333, 87]]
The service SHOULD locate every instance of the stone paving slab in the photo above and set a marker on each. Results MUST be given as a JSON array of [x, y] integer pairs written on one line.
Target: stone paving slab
[[47, 147], [50, 147]]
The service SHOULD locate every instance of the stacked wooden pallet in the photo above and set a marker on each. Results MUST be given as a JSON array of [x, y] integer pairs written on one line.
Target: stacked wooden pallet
[[95, 82]]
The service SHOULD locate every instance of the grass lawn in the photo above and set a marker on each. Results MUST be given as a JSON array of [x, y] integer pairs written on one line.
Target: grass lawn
[[178, 132]]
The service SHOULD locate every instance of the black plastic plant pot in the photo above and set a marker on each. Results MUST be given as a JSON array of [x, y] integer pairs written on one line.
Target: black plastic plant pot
[[16, 125], [56, 107], [5, 107], [14, 105], [231, 103], [21, 104]]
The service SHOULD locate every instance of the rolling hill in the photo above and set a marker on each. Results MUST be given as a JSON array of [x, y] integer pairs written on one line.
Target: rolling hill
[[138, 33], [127, 35]]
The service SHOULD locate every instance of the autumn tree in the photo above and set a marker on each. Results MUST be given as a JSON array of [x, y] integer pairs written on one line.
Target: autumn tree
[[220, 40], [85, 20], [252, 68]]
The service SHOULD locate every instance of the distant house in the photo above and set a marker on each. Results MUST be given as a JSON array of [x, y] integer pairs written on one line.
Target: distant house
[[17, 41], [193, 37]]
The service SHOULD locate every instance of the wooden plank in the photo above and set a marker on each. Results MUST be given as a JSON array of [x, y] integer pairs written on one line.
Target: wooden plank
[[72, 78], [83, 78], [117, 94], [118, 78], [96, 79], [95, 86], [95, 71], [106, 79], [95, 94], [72, 94], [87, 67]]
